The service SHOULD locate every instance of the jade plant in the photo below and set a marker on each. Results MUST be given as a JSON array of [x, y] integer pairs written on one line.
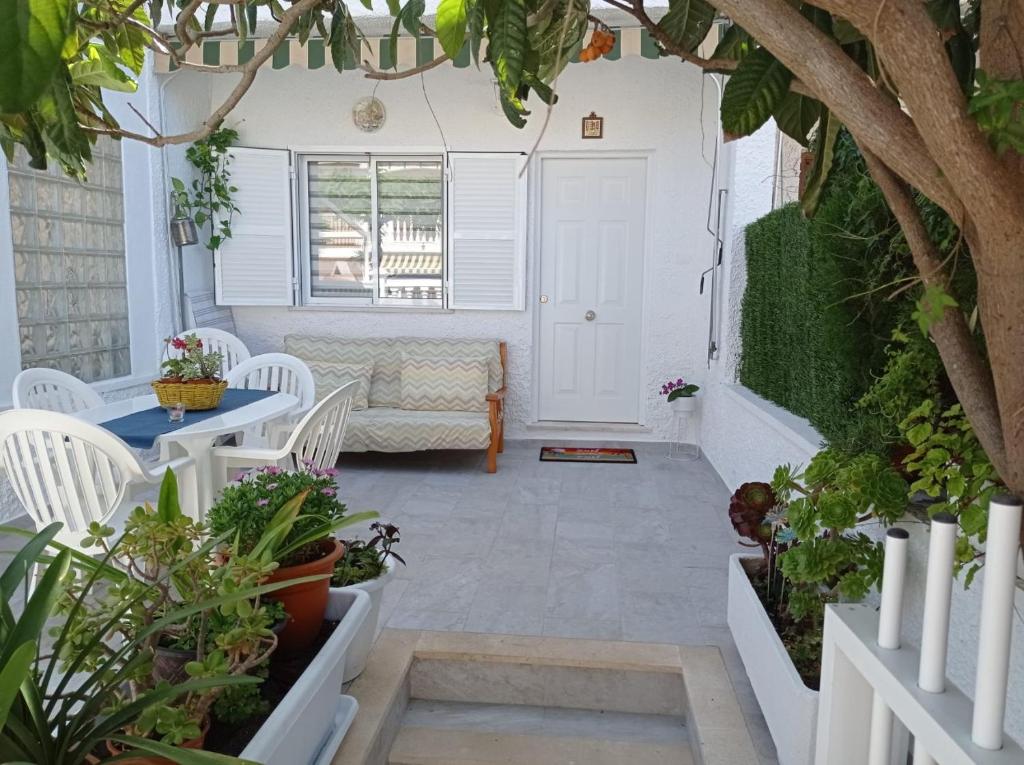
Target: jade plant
[[77, 662]]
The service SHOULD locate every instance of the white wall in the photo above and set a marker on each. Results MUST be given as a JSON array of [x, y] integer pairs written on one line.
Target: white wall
[[298, 108]]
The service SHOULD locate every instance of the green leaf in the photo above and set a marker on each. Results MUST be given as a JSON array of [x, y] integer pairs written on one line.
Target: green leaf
[[167, 506], [687, 22], [13, 674], [824, 154], [32, 34], [508, 44], [735, 44], [412, 16], [99, 70], [475, 29], [755, 90], [177, 754], [451, 23], [797, 115]]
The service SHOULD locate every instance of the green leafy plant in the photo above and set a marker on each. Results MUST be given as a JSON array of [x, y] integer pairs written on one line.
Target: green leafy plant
[[998, 107], [91, 681], [209, 198], [194, 364], [256, 509], [364, 561], [949, 465]]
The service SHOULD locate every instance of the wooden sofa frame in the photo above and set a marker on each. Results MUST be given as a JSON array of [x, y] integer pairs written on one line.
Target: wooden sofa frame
[[496, 413]]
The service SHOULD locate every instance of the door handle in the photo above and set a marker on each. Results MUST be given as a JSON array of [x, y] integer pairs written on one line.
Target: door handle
[[590, 316]]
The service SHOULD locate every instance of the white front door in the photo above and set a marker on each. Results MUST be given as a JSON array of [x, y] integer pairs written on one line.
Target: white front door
[[591, 282]]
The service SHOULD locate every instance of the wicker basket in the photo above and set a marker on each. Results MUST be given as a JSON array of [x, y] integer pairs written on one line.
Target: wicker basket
[[194, 396]]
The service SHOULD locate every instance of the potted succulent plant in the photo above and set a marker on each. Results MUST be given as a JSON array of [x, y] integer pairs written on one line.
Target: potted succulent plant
[[88, 686], [367, 566], [680, 395], [192, 377], [811, 553], [253, 509]]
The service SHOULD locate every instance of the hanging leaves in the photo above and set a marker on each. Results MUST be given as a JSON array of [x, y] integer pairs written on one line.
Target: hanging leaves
[[508, 43], [755, 90], [736, 43], [546, 34], [797, 115], [824, 153], [32, 33], [687, 22], [452, 18]]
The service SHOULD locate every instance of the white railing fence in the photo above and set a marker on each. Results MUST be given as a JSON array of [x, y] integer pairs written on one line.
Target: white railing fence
[[876, 694]]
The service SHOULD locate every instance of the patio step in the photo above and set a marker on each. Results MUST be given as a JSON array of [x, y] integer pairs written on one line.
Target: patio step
[[447, 733]]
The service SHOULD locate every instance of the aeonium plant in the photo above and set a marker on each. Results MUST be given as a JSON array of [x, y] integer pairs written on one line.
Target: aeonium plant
[[678, 388], [192, 362]]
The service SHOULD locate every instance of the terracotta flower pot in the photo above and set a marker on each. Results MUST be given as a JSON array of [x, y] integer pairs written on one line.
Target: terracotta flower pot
[[151, 759], [305, 602]]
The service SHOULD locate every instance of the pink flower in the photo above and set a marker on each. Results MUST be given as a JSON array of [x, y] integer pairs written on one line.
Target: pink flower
[[271, 486], [262, 502], [328, 491], [271, 469], [179, 344]]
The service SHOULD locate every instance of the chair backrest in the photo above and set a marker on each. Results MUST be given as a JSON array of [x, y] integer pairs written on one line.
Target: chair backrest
[[54, 391], [64, 469], [203, 311], [214, 339], [277, 372], [317, 439]]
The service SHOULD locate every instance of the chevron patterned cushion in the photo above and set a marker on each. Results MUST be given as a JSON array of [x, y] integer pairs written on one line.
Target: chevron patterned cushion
[[385, 355], [329, 376], [384, 429], [444, 385]]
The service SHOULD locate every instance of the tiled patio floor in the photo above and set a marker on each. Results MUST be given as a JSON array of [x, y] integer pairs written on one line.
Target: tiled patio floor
[[618, 552]]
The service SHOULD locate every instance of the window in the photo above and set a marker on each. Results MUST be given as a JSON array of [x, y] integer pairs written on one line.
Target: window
[[372, 229], [69, 267]]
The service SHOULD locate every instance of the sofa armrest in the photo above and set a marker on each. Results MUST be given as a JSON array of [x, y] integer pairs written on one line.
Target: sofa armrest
[[498, 395]]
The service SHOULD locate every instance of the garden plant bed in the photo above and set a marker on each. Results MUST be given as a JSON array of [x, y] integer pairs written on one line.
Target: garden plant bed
[[285, 670]]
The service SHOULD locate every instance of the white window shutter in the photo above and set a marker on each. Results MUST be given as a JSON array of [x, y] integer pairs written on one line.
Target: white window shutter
[[486, 231], [254, 266]]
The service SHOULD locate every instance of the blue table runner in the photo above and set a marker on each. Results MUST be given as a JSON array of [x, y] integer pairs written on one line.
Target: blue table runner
[[141, 429]]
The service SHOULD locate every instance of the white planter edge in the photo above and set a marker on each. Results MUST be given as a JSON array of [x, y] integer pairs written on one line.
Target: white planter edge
[[789, 707], [313, 714], [362, 644], [684, 404]]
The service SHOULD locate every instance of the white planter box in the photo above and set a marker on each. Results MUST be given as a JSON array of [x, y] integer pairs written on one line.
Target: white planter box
[[789, 707], [362, 644], [308, 725], [684, 404]]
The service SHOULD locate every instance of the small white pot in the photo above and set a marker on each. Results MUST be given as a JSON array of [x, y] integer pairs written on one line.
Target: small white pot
[[789, 707], [308, 725], [684, 404], [355, 659]]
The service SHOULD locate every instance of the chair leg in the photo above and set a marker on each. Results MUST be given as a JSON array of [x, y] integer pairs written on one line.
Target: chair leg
[[188, 494], [494, 417], [501, 428]]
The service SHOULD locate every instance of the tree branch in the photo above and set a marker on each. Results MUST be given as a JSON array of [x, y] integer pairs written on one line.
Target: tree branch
[[249, 70], [834, 78], [376, 74], [969, 374]]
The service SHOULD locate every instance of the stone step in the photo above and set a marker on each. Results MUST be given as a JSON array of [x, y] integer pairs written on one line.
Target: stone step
[[440, 746]]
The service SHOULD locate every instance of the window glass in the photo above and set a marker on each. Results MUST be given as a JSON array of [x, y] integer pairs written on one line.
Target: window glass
[[339, 220], [409, 229], [69, 266]]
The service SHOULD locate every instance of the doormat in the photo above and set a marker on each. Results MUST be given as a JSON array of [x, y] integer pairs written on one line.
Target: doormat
[[577, 454]]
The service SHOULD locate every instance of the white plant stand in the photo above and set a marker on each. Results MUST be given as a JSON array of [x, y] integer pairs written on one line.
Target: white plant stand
[[682, 448], [307, 727], [790, 708], [362, 644]]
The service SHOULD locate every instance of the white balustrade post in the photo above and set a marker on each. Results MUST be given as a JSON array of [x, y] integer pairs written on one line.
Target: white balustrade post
[[1002, 543], [935, 628], [890, 620]]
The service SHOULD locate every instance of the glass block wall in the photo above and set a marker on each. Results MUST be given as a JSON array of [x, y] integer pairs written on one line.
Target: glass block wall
[[69, 267]]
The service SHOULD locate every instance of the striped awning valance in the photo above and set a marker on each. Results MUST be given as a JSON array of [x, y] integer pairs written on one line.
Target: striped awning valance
[[417, 263], [411, 52]]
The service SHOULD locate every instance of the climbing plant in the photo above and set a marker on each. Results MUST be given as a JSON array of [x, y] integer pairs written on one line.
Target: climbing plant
[[209, 199]]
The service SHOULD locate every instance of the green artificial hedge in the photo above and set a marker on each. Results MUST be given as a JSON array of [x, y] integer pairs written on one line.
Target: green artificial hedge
[[819, 311]]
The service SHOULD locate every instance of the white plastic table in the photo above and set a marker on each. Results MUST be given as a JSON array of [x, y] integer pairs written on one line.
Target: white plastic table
[[197, 439]]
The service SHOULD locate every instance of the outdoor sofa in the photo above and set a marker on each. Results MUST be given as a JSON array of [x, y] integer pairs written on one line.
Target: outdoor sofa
[[415, 393]]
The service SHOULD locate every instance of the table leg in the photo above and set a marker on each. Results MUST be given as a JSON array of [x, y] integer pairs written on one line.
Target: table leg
[[200, 452]]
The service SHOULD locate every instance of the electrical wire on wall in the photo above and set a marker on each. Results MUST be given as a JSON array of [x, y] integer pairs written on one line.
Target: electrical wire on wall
[[715, 197]]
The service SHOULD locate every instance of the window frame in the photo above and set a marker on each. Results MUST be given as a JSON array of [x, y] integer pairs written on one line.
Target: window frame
[[301, 161]]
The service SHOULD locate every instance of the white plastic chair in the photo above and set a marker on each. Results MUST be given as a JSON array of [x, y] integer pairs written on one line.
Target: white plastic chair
[[278, 372], [54, 391], [64, 469], [218, 340], [314, 443]]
